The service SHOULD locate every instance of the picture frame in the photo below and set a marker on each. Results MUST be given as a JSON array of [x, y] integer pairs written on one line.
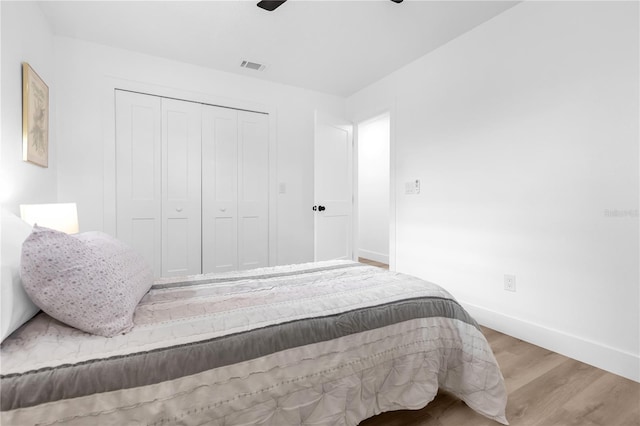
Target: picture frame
[[35, 117]]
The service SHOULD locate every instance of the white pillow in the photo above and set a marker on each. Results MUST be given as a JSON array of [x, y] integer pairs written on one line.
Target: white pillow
[[16, 307], [90, 281]]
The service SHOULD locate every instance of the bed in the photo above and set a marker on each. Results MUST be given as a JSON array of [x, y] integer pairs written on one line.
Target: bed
[[328, 343]]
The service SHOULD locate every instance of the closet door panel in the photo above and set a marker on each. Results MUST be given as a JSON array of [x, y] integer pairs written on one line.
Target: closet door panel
[[138, 185], [253, 190], [181, 188], [219, 189], [177, 235]]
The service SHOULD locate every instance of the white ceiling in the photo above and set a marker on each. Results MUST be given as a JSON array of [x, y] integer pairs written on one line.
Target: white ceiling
[[336, 47]]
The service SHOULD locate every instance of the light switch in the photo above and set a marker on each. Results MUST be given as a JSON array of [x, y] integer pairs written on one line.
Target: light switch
[[408, 188], [282, 188], [412, 187]]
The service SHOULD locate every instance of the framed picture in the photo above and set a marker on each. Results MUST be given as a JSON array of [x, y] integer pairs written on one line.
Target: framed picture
[[35, 118]]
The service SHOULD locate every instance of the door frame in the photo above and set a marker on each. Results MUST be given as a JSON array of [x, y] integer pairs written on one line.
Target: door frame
[[111, 84], [357, 120]]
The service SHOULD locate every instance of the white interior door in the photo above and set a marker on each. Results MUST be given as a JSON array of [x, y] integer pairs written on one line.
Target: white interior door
[[138, 186], [253, 190], [219, 189], [181, 188], [333, 188]]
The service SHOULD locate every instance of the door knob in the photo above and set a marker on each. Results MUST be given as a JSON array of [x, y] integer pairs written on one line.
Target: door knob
[[315, 208], [179, 209], [321, 208]]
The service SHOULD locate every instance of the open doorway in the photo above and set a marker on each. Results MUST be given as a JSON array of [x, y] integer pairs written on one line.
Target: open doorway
[[374, 137]]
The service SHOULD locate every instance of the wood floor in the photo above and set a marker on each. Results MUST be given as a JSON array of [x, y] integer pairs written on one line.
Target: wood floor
[[545, 389], [373, 263]]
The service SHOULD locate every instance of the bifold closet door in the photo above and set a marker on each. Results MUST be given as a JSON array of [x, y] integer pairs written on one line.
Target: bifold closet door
[[158, 181], [235, 188], [219, 189], [138, 179], [253, 190], [192, 184], [181, 188]]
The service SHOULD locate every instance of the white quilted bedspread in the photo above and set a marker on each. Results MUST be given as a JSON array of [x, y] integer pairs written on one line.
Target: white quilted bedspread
[[334, 382]]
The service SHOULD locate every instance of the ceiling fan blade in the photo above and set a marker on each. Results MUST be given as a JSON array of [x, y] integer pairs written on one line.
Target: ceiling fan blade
[[270, 5]]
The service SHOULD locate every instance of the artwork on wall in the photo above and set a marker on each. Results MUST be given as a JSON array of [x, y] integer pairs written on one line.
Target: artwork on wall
[[35, 118]]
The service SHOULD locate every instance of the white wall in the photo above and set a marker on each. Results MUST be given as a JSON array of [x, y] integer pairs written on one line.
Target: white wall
[[86, 74], [26, 37], [524, 132], [373, 189]]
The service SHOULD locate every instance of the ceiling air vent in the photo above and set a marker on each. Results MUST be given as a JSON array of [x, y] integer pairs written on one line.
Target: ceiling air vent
[[252, 65]]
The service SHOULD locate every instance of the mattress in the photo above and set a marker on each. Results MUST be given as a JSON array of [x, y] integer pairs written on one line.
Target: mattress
[[329, 343]]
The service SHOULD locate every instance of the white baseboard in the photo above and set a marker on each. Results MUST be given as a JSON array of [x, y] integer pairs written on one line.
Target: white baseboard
[[372, 255], [615, 361]]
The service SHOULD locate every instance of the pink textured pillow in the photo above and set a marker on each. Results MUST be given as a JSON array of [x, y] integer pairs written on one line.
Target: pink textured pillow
[[89, 281]]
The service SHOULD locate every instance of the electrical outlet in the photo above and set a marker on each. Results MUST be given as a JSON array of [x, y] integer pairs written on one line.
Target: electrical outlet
[[510, 282]]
